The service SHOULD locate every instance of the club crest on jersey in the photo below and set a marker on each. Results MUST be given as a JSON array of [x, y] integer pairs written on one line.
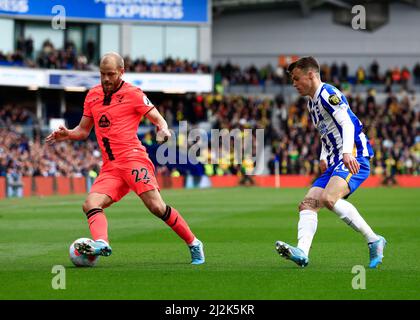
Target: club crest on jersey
[[104, 122], [334, 99]]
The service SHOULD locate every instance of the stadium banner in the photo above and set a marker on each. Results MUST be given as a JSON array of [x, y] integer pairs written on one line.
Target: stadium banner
[[60, 79], [171, 82], [174, 11], [22, 77], [152, 82], [63, 79]]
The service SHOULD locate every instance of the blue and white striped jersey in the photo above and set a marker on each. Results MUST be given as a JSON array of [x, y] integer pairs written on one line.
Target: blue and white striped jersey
[[330, 113]]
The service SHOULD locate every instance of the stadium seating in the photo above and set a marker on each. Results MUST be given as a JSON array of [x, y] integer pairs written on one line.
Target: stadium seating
[[391, 127]]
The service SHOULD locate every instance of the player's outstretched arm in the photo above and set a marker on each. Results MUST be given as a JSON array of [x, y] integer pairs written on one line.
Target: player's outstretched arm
[[81, 132], [156, 118]]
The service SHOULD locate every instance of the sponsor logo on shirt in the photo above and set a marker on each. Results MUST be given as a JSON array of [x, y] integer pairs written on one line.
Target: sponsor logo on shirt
[[104, 122], [322, 128]]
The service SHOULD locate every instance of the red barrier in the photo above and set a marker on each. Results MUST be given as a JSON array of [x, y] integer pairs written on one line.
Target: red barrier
[[160, 181], [63, 186], [44, 186], [373, 182], [224, 181], [79, 185], [27, 186], [178, 182], [265, 181], [2, 187], [408, 181], [286, 181], [164, 181]]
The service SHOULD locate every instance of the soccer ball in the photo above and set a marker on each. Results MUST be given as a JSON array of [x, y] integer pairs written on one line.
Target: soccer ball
[[82, 260]]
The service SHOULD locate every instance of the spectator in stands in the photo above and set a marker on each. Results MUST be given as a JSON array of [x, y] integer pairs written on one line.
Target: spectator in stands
[[392, 126], [168, 65], [280, 75], [396, 75], [390, 171], [344, 72], [374, 72], [230, 74], [14, 183], [325, 72], [405, 76], [335, 73], [416, 73], [360, 75], [224, 74], [29, 48], [3, 163], [246, 171]]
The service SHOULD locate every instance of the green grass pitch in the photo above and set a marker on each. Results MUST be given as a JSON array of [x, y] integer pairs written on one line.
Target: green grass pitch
[[238, 226]]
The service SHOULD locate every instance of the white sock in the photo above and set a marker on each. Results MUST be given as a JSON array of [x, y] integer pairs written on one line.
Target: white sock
[[307, 225], [349, 214]]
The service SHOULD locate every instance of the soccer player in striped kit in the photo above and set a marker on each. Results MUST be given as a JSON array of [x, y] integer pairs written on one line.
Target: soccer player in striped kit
[[115, 108], [344, 163]]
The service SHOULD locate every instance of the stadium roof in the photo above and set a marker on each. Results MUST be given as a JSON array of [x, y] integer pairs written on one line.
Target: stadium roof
[[305, 5]]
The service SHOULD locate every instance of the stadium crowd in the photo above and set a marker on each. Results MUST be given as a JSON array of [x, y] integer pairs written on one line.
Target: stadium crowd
[[233, 74], [226, 74], [168, 65], [69, 58], [393, 129], [23, 156], [32, 158], [48, 57]]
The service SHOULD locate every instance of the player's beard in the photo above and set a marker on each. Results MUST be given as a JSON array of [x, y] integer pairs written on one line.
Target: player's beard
[[107, 87], [110, 87]]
